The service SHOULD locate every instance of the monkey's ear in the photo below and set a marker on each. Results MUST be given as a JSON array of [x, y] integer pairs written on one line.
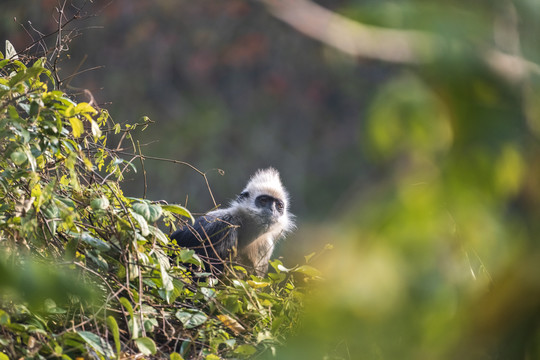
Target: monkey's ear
[[243, 195]]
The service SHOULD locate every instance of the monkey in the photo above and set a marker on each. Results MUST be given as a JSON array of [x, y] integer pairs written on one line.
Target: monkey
[[247, 231]]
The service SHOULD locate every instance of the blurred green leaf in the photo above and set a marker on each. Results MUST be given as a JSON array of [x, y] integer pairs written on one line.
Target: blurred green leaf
[[191, 318], [100, 203], [113, 327], [176, 356], [146, 345]]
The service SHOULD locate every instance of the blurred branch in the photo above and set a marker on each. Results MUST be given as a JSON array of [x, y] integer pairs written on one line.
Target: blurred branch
[[409, 47], [511, 67], [351, 37]]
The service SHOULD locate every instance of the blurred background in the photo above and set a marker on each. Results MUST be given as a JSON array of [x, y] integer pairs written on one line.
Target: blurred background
[[415, 154]]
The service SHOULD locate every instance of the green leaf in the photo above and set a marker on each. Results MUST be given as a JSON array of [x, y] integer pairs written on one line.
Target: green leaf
[[146, 345], [164, 265], [99, 344], [245, 350], [150, 212], [308, 270], [113, 327], [100, 203], [180, 210], [4, 318], [186, 254], [127, 305], [49, 306], [158, 234], [96, 243], [143, 225], [134, 324], [85, 108], [191, 318], [5, 357], [18, 157]]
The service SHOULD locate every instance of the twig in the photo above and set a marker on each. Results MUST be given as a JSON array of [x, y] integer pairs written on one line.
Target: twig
[[203, 174], [143, 169]]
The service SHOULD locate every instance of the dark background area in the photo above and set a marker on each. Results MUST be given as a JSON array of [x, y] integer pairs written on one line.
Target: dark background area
[[228, 86]]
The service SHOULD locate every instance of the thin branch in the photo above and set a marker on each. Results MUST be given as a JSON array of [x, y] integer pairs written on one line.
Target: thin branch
[[203, 174], [143, 169]]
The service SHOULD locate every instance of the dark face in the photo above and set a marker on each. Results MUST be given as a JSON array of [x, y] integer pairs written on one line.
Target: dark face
[[267, 203], [271, 204]]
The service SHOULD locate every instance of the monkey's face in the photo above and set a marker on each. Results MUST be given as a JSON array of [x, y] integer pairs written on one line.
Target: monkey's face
[[268, 208], [270, 205]]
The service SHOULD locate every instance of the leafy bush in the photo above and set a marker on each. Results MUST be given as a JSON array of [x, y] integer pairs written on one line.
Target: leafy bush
[[86, 271]]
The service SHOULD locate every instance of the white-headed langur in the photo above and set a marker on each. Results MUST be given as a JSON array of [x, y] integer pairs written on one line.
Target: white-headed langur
[[247, 231]]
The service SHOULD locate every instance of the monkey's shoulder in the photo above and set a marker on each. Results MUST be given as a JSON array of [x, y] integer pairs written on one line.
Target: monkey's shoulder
[[212, 225]]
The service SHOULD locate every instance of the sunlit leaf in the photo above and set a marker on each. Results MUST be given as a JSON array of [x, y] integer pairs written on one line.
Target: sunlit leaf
[[308, 270], [257, 284], [77, 126], [11, 53], [231, 323], [84, 108], [180, 210], [96, 131], [175, 356]]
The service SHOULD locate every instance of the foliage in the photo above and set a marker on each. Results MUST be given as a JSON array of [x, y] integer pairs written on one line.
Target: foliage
[[86, 271], [439, 259]]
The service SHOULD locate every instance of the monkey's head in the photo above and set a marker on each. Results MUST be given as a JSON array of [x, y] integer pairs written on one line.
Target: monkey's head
[[265, 198]]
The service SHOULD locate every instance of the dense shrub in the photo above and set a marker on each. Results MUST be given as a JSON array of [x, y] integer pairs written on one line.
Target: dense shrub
[[86, 271]]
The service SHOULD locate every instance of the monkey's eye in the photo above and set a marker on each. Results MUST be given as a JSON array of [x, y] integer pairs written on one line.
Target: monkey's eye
[[279, 206], [263, 201], [243, 195]]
